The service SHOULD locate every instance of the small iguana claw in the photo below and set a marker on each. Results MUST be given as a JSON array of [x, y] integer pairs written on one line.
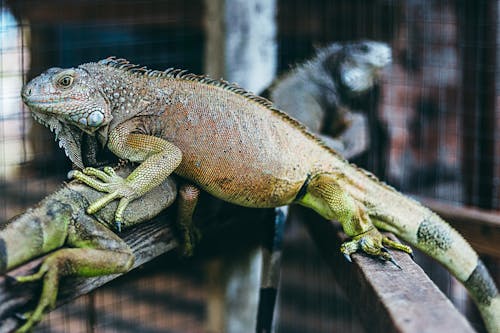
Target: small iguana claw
[[70, 174], [389, 257], [118, 226], [394, 262], [11, 280], [21, 316], [373, 243]]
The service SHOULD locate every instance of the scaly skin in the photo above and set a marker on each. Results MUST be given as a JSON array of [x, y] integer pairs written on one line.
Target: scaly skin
[[241, 149], [90, 248], [319, 92]]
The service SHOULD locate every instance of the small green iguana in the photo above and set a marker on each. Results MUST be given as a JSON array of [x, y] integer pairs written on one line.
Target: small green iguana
[[241, 149], [91, 248]]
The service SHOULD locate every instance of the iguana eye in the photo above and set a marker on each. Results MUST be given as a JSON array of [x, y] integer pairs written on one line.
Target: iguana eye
[[65, 81], [364, 48]]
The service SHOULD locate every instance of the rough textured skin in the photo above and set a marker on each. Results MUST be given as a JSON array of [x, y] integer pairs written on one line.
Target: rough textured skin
[[90, 248], [319, 92], [239, 148]]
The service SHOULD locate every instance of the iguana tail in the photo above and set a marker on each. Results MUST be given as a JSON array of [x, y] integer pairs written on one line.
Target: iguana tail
[[436, 238]]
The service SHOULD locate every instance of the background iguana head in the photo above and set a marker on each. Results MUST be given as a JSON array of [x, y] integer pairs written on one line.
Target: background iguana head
[[357, 64], [69, 102]]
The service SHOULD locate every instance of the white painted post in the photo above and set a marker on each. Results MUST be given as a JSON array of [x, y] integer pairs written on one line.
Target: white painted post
[[241, 48]]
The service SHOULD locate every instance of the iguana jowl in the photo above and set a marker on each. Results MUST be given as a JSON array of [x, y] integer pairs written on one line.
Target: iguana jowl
[[241, 149]]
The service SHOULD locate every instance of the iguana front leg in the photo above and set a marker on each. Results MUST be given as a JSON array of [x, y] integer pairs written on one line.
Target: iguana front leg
[[97, 251], [325, 195], [158, 157]]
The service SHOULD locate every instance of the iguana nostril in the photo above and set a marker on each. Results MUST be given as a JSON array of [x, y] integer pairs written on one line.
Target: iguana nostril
[[27, 92]]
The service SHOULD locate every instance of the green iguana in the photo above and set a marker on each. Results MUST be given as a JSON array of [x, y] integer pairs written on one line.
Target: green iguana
[[91, 248], [241, 149], [326, 93]]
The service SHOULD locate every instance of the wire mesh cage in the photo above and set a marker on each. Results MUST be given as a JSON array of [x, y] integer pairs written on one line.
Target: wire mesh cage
[[432, 116]]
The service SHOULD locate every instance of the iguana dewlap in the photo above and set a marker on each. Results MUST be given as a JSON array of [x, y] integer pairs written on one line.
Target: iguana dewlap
[[241, 149]]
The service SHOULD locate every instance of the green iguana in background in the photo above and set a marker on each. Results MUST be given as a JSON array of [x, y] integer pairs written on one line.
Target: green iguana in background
[[91, 248], [241, 149]]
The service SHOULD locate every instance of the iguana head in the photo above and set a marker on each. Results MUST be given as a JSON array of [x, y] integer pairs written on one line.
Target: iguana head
[[69, 102], [357, 64]]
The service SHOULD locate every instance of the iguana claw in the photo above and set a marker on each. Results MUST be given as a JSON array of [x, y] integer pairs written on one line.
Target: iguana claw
[[394, 262], [21, 316], [106, 181], [373, 243], [11, 280]]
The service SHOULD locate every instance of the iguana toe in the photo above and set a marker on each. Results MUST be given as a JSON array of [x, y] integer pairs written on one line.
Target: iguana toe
[[11, 280], [107, 181], [118, 226], [48, 273], [397, 245], [373, 243]]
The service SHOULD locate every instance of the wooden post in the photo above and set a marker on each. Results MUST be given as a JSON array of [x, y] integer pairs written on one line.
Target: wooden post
[[241, 42], [240, 46]]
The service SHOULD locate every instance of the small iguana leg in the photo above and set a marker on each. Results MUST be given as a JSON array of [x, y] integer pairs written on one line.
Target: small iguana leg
[[326, 196], [81, 262], [159, 159], [97, 251], [188, 198]]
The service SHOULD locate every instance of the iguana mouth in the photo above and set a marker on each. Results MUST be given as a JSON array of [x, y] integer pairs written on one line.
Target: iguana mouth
[[69, 137], [48, 121], [34, 102]]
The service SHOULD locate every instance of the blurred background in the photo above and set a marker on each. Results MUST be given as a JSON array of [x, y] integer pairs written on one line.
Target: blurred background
[[439, 102]]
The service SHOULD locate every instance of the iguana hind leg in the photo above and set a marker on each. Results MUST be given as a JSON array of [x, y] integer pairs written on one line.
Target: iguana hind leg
[[325, 195], [188, 198], [96, 251]]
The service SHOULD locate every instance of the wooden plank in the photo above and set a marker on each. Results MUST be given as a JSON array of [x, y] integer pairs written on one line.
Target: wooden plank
[[240, 46], [480, 227], [388, 299], [179, 13]]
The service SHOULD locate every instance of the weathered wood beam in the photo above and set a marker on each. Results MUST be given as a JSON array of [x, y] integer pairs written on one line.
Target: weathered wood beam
[[388, 299]]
